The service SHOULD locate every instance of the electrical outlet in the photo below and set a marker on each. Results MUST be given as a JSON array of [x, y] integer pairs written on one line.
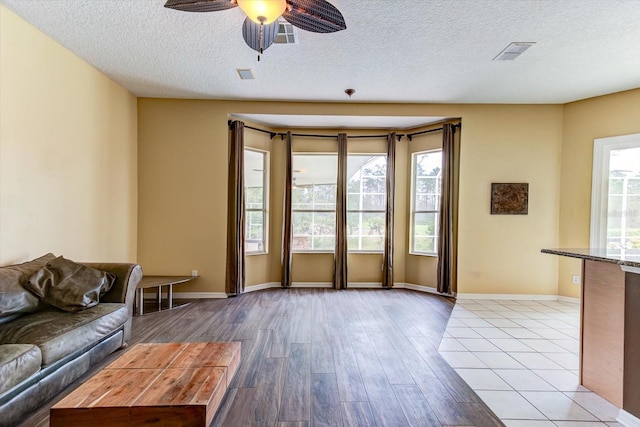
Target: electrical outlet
[[194, 273], [576, 280]]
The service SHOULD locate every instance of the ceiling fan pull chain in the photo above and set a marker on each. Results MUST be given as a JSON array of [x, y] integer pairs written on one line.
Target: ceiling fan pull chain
[[260, 37]]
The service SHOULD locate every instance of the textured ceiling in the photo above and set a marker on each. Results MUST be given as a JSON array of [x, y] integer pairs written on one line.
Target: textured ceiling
[[395, 51]]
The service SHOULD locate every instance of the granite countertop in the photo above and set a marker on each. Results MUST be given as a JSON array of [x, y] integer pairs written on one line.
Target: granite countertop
[[597, 254]]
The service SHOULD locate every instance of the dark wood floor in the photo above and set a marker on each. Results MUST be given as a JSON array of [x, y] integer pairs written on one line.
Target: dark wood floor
[[319, 357]]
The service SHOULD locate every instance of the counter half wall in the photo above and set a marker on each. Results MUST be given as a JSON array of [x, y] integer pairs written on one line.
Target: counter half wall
[[610, 327]]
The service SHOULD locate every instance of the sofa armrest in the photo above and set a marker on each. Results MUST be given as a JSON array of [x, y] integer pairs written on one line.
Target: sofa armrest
[[124, 289]]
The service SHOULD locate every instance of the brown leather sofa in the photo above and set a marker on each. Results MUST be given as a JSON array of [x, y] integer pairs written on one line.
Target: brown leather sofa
[[42, 352]]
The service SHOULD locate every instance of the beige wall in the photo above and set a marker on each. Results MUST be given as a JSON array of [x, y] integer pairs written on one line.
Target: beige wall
[[501, 253], [584, 121], [68, 160], [183, 171]]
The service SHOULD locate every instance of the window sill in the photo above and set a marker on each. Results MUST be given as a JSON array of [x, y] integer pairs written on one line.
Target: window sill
[[430, 255], [255, 253], [348, 252]]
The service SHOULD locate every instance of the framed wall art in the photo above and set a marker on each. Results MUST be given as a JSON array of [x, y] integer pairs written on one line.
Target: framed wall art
[[509, 198]]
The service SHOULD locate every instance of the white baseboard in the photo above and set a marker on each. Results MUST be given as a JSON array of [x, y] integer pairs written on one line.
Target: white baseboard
[[627, 419], [312, 285], [423, 288], [531, 297], [188, 295], [521, 297], [371, 285], [351, 285], [261, 287], [364, 285], [568, 299]]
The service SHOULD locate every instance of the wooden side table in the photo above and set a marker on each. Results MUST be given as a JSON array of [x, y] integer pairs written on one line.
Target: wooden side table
[[158, 282]]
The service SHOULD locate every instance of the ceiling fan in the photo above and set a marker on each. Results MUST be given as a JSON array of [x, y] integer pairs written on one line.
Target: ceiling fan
[[260, 28]]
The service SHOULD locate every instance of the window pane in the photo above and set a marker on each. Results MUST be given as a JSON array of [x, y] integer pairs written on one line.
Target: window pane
[[254, 180], [353, 202], [374, 185], [367, 202], [324, 243], [302, 224], [427, 202], [633, 213], [366, 191], [425, 231], [623, 204], [374, 166], [324, 196], [365, 231], [428, 164], [425, 245], [374, 202], [314, 169], [615, 186], [314, 230], [426, 170], [324, 223], [314, 197], [302, 197], [366, 187], [254, 197], [254, 231], [314, 190]]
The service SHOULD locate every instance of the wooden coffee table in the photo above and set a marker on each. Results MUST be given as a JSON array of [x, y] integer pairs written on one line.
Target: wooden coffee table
[[177, 384]]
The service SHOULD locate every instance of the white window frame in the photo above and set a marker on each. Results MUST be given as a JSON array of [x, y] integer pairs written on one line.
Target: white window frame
[[312, 211], [265, 203], [364, 211], [413, 210], [602, 148]]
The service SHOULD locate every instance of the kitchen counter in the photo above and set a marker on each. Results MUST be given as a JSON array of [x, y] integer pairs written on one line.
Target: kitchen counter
[[609, 332], [597, 254]]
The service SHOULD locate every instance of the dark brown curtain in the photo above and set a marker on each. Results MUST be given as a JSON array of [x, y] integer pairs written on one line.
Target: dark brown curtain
[[340, 257], [447, 243], [287, 232], [387, 262], [235, 216]]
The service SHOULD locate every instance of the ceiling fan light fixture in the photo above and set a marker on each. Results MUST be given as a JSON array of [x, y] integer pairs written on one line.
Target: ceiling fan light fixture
[[263, 11]]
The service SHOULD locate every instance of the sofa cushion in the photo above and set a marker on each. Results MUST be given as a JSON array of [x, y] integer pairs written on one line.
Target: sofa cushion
[[58, 333], [14, 298], [17, 363], [70, 286]]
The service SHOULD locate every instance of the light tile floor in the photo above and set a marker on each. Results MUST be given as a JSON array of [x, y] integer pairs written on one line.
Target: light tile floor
[[521, 357]]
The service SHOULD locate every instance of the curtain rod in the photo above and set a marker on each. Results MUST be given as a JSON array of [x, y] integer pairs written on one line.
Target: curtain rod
[[411, 135], [272, 134], [310, 135]]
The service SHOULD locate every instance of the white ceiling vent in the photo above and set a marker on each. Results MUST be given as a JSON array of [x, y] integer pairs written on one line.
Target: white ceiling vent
[[512, 51], [286, 33], [245, 73]]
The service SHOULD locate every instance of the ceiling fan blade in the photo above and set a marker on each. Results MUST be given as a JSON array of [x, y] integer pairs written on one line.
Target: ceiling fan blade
[[200, 5], [251, 34], [318, 16]]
